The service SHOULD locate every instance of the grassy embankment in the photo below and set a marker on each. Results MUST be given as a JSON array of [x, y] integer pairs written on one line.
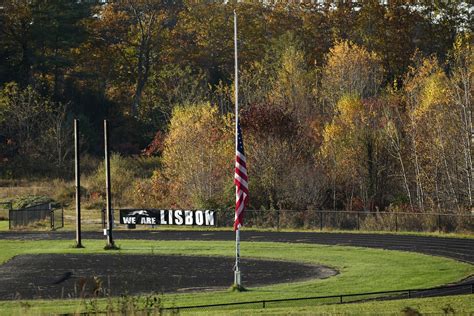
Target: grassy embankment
[[361, 270]]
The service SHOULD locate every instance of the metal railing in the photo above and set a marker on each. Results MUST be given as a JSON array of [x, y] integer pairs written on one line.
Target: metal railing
[[346, 298]]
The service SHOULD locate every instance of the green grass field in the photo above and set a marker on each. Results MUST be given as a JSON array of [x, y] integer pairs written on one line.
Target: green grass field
[[3, 225], [361, 270]]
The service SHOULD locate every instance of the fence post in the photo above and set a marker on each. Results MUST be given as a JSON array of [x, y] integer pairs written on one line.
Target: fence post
[[409, 293], [472, 288], [51, 216], [263, 304], [321, 220], [51, 219], [340, 299], [439, 223], [396, 222], [77, 172], [358, 225], [304, 218], [278, 219], [10, 211]]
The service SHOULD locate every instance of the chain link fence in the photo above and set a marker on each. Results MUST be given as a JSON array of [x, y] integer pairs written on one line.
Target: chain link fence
[[340, 220], [39, 216], [346, 220]]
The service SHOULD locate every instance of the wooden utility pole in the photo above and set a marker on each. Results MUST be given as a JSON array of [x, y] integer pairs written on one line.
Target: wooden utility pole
[[78, 183], [108, 232]]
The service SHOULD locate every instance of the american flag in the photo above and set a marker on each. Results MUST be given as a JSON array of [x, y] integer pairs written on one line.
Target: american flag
[[240, 180]]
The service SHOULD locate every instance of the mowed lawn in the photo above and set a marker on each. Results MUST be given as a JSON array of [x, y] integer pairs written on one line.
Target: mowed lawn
[[3, 225], [361, 270]]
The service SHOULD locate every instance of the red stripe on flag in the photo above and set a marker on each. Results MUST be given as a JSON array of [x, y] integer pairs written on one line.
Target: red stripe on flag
[[241, 183], [241, 174]]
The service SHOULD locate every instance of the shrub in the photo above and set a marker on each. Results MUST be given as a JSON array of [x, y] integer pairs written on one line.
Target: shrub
[[30, 200], [125, 174], [122, 172], [66, 193], [89, 164]]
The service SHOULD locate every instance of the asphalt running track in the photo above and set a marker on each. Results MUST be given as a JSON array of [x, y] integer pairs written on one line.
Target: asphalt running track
[[461, 249]]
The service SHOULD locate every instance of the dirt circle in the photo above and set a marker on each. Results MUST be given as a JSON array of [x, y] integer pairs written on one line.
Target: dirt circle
[[48, 276]]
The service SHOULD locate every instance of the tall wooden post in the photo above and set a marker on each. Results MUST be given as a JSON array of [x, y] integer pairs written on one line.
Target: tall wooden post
[[108, 232], [78, 183]]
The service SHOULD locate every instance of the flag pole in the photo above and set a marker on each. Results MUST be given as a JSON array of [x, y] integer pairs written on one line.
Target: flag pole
[[237, 276]]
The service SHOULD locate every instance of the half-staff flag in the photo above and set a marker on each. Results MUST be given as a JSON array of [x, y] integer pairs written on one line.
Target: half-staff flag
[[240, 180]]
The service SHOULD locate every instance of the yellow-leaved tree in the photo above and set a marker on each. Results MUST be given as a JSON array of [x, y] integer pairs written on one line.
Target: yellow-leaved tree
[[351, 70], [462, 87], [197, 159], [435, 136], [292, 88], [353, 148]]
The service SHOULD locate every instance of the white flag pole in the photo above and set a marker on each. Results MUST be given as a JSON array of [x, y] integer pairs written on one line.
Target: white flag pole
[[237, 276]]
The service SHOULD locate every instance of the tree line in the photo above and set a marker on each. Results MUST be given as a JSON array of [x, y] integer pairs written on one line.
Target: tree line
[[345, 105]]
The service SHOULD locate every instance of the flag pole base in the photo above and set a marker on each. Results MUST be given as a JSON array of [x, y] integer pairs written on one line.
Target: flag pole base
[[237, 279], [237, 286]]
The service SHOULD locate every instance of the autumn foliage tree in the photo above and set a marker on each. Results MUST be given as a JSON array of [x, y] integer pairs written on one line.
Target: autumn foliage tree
[[435, 136], [35, 129], [283, 171], [359, 105], [354, 150], [461, 86], [197, 158], [351, 70]]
